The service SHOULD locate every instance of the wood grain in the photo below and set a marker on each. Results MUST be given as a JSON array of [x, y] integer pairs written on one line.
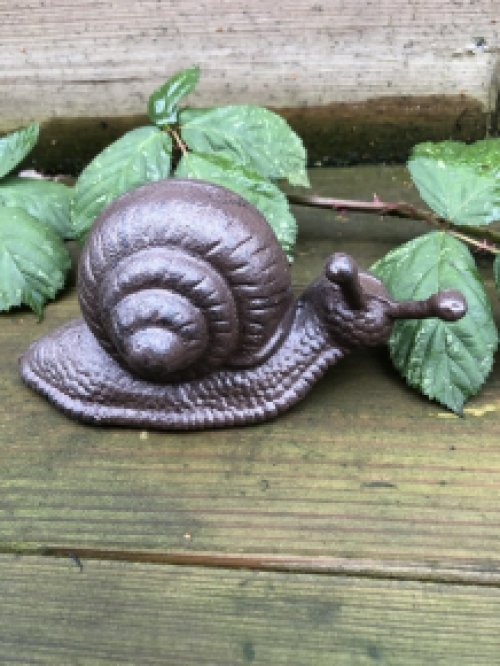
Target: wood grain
[[53, 612], [363, 468], [89, 58]]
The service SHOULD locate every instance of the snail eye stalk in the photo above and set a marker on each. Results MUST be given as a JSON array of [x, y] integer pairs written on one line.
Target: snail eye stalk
[[447, 305], [341, 269]]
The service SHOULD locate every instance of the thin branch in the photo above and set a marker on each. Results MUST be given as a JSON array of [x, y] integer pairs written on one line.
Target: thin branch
[[480, 245], [405, 211], [178, 141]]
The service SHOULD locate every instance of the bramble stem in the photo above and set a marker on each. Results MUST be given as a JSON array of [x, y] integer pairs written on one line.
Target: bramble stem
[[405, 211], [479, 244], [178, 141]]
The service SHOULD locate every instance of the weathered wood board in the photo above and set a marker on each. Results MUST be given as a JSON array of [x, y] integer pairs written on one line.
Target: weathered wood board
[[361, 527], [363, 468], [119, 613], [345, 74], [92, 58]]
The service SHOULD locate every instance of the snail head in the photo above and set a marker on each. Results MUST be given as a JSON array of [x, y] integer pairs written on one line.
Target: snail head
[[358, 310]]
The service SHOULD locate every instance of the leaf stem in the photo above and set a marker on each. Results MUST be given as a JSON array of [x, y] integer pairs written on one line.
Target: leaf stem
[[178, 141], [480, 245], [403, 210]]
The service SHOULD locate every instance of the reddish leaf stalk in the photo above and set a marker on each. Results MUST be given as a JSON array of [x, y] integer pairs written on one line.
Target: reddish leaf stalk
[[488, 238], [178, 141]]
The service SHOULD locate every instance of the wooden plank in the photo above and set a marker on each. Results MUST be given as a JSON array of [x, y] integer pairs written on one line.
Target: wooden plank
[[88, 58], [364, 468], [108, 613]]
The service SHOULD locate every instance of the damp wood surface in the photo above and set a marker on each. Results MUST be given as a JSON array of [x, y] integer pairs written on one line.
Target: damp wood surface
[[362, 468], [53, 612], [362, 526], [360, 81]]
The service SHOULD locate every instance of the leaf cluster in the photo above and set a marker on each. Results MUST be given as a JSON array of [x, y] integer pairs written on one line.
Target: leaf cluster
[[34, 222], [246, 148], [461, 184]]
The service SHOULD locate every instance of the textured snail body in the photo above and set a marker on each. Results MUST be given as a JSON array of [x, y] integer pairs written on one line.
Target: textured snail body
[[189, 319]]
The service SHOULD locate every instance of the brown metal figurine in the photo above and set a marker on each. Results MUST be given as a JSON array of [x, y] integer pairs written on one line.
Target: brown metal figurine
[[189, 320]]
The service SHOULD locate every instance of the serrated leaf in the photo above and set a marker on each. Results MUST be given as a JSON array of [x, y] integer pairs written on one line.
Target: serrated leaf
[[162, 105], [264, 195], [14, 147], [256, 138], [479, 155], [448, 362], [140, 156], [459, 182], [47, 201], [33, 261]]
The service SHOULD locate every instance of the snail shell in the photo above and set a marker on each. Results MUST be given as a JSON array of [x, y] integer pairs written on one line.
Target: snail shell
[[183, 277]]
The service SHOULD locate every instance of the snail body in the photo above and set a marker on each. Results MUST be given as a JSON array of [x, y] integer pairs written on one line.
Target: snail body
[[189, 320]]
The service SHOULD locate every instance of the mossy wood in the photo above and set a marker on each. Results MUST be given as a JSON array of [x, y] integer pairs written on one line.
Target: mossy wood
[[364, 467], [120, 613]]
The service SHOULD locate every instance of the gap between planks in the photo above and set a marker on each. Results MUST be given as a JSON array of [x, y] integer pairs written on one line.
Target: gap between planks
[[331, 566]]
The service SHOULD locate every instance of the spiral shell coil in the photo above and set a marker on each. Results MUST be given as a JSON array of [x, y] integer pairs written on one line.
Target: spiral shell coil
[[183, 276]]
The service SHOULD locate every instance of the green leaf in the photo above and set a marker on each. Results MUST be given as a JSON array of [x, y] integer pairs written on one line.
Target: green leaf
[[33, 261], [14, 147], [264, 195], [481, 154], [140, 156], [162, 105], [45, 200], [459, 182], [448, 362], [250, 135]]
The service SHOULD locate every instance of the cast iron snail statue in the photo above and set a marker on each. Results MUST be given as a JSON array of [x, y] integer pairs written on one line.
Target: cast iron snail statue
[[189, 320]]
